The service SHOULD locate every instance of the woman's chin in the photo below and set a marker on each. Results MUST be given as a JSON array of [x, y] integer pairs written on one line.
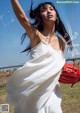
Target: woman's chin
[[51, 20]]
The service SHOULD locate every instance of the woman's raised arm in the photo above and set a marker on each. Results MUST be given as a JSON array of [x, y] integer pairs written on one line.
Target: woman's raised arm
[[20, 14]]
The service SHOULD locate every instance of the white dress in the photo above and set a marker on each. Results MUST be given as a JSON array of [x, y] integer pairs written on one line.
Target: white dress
[[34, 87]]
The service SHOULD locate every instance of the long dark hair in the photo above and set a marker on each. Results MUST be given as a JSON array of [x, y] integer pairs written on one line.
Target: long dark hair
[[59, 26]]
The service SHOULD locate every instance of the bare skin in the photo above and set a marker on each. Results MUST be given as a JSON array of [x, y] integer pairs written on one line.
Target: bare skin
[[49, 17]]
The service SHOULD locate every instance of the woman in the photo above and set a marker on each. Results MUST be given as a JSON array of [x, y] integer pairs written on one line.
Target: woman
[[34, 88]]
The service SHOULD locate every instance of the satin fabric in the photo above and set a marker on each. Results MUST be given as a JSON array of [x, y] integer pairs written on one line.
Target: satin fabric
[[34, 87]]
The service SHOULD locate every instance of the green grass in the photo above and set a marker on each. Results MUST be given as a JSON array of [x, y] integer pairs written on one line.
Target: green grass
[[2, 94], [2, 90], [70, 98]]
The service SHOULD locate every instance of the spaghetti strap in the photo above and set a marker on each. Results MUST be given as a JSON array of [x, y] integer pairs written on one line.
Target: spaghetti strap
[[43, 42], [34, 87]]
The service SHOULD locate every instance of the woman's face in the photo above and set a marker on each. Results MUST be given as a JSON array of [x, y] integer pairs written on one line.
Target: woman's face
[[48, 13]]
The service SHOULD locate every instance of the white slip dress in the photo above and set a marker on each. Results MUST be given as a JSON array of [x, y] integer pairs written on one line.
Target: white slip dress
[[34, 88]]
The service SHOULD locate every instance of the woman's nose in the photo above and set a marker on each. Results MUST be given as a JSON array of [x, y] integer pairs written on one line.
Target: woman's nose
[[48, 10]]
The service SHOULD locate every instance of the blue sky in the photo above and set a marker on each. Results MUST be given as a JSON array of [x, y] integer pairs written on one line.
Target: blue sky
[[11, 31]]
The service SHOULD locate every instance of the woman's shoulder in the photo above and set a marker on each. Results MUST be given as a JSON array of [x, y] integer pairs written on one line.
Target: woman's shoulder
[[62, 43], [36, 38]]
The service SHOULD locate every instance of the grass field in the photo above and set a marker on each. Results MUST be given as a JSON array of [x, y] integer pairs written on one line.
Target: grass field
[[71, 98]]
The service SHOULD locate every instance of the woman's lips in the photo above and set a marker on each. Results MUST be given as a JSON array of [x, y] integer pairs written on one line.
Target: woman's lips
[[50, 16]]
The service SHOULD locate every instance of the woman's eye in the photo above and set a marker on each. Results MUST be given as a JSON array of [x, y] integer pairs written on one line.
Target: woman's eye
[[51, 9], [44, 10]]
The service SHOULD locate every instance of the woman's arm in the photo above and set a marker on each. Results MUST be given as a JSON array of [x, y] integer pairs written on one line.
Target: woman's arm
[[22, 18], [63, 45]]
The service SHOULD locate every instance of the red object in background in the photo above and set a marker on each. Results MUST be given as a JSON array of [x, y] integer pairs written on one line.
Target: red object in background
[[70, 74]]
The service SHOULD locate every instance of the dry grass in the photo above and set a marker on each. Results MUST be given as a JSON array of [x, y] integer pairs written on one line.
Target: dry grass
[[71, 98]]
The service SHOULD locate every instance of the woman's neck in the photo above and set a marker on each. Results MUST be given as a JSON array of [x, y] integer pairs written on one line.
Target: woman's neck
[[49, 30]]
